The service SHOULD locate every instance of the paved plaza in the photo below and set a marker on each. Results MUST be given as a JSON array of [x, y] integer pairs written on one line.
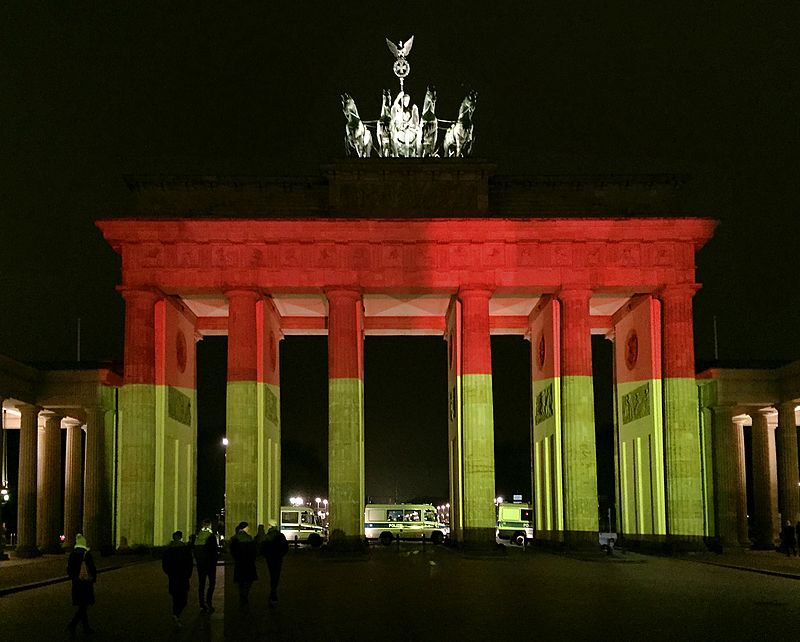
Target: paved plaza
[[408, 592]]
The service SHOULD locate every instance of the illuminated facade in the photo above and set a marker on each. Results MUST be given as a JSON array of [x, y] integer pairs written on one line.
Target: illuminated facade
[[412, 247]]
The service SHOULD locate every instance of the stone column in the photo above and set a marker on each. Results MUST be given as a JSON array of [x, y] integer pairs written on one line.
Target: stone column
[[729, 489], [743, 524], [786, 438], [346, 412], [478, 510], [73, 482], [765, 482], [96, 505], [137, 430], [26, 493], [684, 483], [50, 515], [577, 402], [241, 459]]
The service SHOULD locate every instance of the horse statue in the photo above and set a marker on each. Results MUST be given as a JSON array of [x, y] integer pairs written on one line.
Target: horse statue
[[458, 137], [430, 125], [357, 138], [384, 126], [405, 126]]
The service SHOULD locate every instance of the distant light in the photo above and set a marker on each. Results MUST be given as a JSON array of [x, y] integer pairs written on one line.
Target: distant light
[[318, 500], [499, 500], [224, 441], [325, 502]]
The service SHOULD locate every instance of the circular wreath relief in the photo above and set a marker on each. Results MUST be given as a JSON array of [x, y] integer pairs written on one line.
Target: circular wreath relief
[[631, 349], [180, 350]]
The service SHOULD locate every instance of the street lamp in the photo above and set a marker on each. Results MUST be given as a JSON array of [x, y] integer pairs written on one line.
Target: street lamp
[[224, 441]]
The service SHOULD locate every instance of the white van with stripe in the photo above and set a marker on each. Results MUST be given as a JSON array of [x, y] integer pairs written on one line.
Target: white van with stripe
[[302, 524], [388, 522]]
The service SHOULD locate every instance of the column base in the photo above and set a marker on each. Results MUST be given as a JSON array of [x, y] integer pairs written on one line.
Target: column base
[[338, 542], [668, 544], [27, 552]]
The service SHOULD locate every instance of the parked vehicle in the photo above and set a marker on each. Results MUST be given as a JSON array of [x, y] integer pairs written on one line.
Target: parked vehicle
[[388, 522], [302, 524], [515, 522]]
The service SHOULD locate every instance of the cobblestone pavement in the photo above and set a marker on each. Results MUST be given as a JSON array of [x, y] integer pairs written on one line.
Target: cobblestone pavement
[[411, 593]]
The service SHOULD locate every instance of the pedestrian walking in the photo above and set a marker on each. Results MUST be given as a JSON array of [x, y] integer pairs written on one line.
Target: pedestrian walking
[[274, 548], [206, 553], [244, 552], [789, 539], [177, 564], [83, 573]]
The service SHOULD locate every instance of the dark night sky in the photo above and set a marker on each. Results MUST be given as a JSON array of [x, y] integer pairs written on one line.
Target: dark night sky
[[92, 93]]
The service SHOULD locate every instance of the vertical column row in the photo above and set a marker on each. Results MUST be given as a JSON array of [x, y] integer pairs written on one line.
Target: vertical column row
[[137, 430], [477, 419], [729, 490], [26, 496], [241, 460], [786, 438], [73, 483], [48, 525], [577, 398], [346, 413], [684, 480], [765, 482]]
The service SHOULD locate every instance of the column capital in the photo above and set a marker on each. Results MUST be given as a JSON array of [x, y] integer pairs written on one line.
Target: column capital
[[51, 415], [235, 292], [72, 422], [130, 293], [786, 406], [474, 290], [25, 408], [677, 291], [574, 293], [342, 292]]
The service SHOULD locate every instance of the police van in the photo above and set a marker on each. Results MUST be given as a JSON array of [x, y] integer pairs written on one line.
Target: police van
[[302, 524], [515, 522], [388, 522]]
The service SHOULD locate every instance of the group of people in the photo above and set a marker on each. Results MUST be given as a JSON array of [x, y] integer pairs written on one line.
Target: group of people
[[178, 563], [244, 550], [790, 536]]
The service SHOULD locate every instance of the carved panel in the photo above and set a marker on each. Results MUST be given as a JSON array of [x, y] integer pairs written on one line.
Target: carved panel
[[179, 406], [544, 404], [270, 405], [636, 404]]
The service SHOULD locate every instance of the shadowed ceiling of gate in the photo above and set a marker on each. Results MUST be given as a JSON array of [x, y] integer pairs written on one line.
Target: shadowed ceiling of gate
[[395, 314]]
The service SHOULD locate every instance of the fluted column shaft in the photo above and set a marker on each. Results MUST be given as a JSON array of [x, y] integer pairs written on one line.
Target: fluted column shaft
[[477, 418], [684, 483], [96, 507], [346, 411], [50, 515], [241, 459], [728, 477], [26, 493], [577, 401], [765, 482], [137, 426], [788, 478], [73, 482]]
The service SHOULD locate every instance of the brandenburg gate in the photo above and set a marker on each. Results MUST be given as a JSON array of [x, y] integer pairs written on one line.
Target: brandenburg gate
[[409, 246]]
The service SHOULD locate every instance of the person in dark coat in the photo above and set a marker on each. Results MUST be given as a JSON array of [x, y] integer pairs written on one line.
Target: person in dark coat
[[82, 583], [177, 564], [244, 552], [274, 548], [206, 552], [789, 539]]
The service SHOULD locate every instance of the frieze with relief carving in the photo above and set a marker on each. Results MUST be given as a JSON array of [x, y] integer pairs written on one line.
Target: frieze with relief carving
[[636, 404], [544, 404]]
